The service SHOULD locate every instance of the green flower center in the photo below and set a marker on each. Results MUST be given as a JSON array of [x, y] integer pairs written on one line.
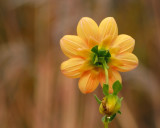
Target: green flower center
[[99, 56]]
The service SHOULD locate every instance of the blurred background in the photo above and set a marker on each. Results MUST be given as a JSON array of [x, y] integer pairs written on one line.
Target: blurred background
[[33, 91]]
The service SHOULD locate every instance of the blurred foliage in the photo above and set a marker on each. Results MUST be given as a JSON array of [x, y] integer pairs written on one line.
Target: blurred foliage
[[33, 91]]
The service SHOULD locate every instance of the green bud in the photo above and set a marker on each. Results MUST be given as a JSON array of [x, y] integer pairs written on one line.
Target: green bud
[[101, 109], [110, 105]]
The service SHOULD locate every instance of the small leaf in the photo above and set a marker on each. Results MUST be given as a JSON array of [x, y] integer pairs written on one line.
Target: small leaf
[[105, 89], [95, 49], [119, 112], [117, 86], [103, 118], [97, 99], [112, 117]]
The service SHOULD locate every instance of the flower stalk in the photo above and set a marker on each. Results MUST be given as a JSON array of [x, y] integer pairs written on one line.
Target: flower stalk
[[105, 66], [106, 124]]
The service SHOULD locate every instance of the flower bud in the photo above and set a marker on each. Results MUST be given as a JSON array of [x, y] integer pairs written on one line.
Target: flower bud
[[110, 105]]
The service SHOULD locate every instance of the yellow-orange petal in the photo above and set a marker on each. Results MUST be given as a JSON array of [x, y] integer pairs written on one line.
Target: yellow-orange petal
[[72, 67], [88, 81], [113, 76], [124, 43], [106, 42], [87, 28], [87, 65], [85, 53], [70, 45], [124, 62], [108, 27], [92, 42], [102, 78]]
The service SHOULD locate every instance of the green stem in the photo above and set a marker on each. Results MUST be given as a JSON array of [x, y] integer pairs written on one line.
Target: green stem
[[106, 123], [105, 66], [106, 70]]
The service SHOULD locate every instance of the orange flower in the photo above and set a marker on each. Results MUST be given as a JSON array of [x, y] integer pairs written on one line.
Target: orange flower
[[86, 49]]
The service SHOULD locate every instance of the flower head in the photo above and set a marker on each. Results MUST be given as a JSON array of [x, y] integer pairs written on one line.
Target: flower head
[[110, 105], [92, 45]]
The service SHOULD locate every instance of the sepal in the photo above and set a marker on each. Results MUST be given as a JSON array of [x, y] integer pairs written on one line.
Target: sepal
[[119, 112], [104, 119], [117, 86], [112, 117], [97, 99], [105, 89], [95, 49]]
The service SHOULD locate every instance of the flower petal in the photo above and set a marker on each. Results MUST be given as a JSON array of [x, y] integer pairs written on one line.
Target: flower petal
[[124, 62], [85, 53], [92, 42], [108, 27], [72, 67], [87, 65], [88, 81], [124, 43], [87, 28], [105, 43], [102, 78], [70, 45], [113, 76]]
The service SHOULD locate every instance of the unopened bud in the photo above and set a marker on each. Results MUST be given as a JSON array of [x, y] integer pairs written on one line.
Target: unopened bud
[[110, 105]]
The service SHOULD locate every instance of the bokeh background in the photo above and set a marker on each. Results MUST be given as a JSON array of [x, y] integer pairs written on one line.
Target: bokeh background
[[33, 91]]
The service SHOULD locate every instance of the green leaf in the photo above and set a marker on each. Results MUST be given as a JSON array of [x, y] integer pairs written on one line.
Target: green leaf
[[103, 118], [117, 86], [97, 99], [95, 49], [105, 89], [119, 112], [112, 117]]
